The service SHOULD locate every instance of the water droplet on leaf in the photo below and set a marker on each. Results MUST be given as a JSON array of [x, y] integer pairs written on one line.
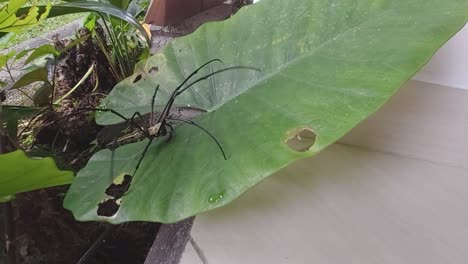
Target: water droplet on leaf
[[216, 197]]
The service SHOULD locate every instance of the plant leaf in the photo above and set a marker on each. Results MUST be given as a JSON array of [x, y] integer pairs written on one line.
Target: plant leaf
[[19, 173], [36, 75], [43, 50], [122, 4], [42, 95], [22, 53], [326, 66], [5, 57], [90, 21]]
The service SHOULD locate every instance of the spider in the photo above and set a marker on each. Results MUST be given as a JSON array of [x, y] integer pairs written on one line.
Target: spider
[[156, 127], [161, 127]]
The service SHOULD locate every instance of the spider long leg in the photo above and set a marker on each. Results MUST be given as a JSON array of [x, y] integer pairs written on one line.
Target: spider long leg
[[137, 166], [143, 155], [178, 90], [112, 175], [213, 73], [166, 109], [144, 129], [139, 163], [195, 72], [152, 105], [145, 150], [131, 121], [190, 122]]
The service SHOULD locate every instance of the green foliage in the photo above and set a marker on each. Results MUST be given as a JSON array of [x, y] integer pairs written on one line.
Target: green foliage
[[126, 48], [123, 33], [19, 173], [127, 37], [37, 75], [32, 73], [5, 57], [102, 8], [40, 73], [41, 51], [10, 22], [44, 27], [326, 66]]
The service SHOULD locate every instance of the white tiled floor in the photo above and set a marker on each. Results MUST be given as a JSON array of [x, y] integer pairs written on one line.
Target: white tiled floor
[[392, 193], [347, 205]]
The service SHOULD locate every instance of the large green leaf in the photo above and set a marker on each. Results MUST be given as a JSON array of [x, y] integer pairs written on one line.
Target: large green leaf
[[19, 173], [326, 66], [37, 75]]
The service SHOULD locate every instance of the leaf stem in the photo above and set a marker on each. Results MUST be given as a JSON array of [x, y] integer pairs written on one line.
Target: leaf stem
[[8, 70], [25, 94], [52, 95]]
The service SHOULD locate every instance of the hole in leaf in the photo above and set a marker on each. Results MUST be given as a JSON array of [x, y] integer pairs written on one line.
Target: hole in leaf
[[115, 192], [108, 207], [22, 17], [153, 70], [120, 185], [137, 78], [301, 139]]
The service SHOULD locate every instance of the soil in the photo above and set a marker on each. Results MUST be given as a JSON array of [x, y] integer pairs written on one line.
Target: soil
[[47, 233]]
